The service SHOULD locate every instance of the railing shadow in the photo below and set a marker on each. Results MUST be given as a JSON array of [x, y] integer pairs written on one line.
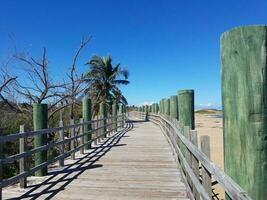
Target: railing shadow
[[75, 169]]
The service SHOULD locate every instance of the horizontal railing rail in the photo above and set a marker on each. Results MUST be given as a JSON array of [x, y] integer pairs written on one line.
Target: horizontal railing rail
[[192, 160], [112, 123]]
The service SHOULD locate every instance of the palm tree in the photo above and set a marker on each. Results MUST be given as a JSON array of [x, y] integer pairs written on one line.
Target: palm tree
[[104, 80]]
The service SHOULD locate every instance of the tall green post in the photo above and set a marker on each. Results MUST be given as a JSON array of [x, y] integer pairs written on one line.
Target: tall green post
[[146, 112], [174, 107], [156, 108], [114, 114], [87, 116], [162, 106], [244, 98], [103, 115], [186, 108], [167, 106], [40, 122]]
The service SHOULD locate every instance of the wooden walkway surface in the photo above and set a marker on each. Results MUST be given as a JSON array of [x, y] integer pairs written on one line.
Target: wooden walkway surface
[[136, 163]]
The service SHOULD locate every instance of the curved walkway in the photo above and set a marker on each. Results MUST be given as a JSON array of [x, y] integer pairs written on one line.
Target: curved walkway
[[135, 163]]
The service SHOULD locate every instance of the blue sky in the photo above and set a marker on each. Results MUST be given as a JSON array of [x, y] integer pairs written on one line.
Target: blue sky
[[167, 45]]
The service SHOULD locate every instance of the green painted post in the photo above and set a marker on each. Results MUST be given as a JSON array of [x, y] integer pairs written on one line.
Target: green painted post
[[114, 114], [146, 112], [40, 122], [167, 106], [244, 98], [186, 108], [103, 114], [174, 107], [156, 108], [161, 107], [120, 113], [87, 116]]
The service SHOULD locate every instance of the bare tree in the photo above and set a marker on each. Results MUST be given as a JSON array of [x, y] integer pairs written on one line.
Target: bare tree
[[75, 86]]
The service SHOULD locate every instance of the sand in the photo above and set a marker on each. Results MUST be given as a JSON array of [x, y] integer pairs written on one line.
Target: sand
[[212, 127], [205, 125]]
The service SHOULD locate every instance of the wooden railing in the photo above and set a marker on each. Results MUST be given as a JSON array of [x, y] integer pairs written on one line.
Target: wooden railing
[[199, 172], [100, 128]]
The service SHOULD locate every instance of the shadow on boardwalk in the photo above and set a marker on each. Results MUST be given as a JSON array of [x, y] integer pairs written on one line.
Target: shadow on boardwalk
[[65, 176]]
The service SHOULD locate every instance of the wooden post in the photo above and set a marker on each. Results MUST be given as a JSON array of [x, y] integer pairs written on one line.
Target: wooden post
[[187, 153], [81, 138], [186, 108], [103, 115], [114, 114], [146, 113], [167, 107], [22, 161], [95, 131], [87, 116], [206, 176], [40, 122], [244, 97], [156, 108], [62, 148], [194, 161], [98, 126], [72, 142], [174, 107]]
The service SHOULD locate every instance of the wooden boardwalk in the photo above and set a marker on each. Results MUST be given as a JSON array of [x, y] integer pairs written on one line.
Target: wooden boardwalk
[[136, 163]]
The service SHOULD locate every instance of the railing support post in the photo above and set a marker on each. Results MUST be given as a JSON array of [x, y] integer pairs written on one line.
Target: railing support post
[[114, 114], [22, 161], [206, 176], [62, 148], [146, 113], [40, 122], [72, 142], [103, 115], [81, 138], [87, 116], [120, 113], [194, 161]]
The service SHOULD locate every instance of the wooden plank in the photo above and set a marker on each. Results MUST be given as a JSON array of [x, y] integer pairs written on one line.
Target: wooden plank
[[187, 156], [129, 166], [62, 148], [194, 161], [206, 176], [22, 161], [82, 138]]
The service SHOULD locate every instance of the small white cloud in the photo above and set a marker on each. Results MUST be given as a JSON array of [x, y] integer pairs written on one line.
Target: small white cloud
[[149, 103]]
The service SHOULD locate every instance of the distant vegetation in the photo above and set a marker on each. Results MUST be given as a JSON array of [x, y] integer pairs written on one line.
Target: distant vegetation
[[208, 111]]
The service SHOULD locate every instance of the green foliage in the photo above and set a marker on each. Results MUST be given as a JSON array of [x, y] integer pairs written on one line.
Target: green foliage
[[104, 80], [208, 111]]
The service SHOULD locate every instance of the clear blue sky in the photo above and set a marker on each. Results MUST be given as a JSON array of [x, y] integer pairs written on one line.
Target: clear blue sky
[[167, 45]]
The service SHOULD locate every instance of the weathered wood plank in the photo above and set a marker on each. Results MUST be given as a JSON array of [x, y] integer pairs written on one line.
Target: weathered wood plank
[[206, 176], [22, 161], [135, 165]]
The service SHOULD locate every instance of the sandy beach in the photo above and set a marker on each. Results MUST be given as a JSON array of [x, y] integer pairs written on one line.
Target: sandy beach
[[207, 125]]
